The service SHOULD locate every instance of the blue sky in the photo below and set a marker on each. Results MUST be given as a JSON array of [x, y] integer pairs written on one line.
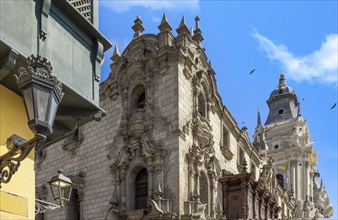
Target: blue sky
[[298, 38]]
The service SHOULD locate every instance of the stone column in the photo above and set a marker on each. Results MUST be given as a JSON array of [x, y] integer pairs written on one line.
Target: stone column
[[297, 190], [293, 176], [304, 187], [311, 182], [191, 181], [197, 181], [307, 188], [123, 191], [150, 181], [213, 190]]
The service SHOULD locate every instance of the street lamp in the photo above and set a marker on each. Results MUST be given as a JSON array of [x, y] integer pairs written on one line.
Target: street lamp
[[61, 187], [42, 93]]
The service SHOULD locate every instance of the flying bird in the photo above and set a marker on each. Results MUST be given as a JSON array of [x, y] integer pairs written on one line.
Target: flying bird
[[334, 105], [252, 71]]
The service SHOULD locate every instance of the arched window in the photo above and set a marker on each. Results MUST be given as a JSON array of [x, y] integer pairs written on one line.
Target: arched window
[[201, 106], [204, 192], [141, 189], [141, 101], [137, 98], [280, 180]]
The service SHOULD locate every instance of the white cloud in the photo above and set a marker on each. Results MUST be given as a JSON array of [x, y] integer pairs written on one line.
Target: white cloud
[[320, 65], [178, 5]]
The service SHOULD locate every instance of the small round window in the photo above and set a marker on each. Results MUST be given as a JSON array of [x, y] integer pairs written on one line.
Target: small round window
[[276, 146], [280, 91], [280, 111]]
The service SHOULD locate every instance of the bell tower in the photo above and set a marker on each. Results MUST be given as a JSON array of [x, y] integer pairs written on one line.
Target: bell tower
[[288, 141]]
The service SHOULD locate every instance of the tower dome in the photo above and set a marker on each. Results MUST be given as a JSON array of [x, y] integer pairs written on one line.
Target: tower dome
[[282, 103], [282, 88]]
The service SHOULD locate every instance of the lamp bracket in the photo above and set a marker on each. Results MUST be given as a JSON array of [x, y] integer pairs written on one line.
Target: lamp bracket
[[42, 206], [19, 149]]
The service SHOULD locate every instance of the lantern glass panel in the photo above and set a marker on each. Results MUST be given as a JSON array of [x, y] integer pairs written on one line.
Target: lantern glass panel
[[61, 191], [28, 98], [60, 183], [53, 107], [42, 97]]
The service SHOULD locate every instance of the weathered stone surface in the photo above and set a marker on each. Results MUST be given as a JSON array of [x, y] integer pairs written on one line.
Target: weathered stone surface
[[164, 115]]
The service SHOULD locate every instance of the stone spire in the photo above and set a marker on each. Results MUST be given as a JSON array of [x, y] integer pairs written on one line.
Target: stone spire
[[197, 32], [259, 121], [164, 24], [166, 38], [137, 27], [183, 27], [259, 136], [116, 55]]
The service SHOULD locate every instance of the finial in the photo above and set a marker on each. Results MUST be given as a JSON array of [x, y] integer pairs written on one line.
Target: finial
[[164, 24], [137, 27], [116, 55], [259, 122], [197, 22], [321, 184], [197, 33], [183, 27], [282, 81]]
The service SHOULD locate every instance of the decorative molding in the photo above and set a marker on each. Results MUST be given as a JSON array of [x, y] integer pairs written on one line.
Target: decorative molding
[[227, 152], [8, 63], [73, 141], [40, 68], [79, 182]]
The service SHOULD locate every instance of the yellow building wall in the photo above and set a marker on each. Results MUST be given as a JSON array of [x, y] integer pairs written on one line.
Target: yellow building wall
[[17, 198]]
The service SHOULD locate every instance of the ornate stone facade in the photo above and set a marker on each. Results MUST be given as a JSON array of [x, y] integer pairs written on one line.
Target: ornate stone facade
[[166, 139], [286, 138]]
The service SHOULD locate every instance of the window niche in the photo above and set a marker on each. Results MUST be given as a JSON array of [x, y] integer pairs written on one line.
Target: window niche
[[201, 105], [73, 207], [225, 144], [141, 189], [241, 156], [137, 98], [204, 192]]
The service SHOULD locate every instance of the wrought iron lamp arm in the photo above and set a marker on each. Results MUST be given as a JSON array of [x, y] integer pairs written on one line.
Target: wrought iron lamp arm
[[19, 149], [42, 206]]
